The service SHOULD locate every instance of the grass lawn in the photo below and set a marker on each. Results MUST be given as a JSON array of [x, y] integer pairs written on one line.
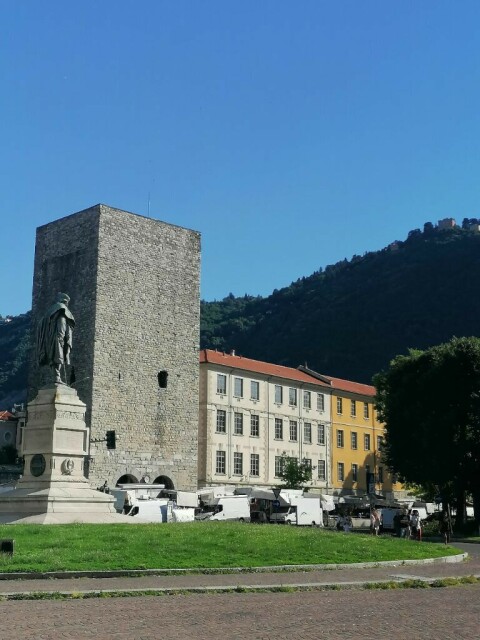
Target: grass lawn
[[197, 545]]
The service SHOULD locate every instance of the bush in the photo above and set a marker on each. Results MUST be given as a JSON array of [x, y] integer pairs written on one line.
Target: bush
[[470, 528], [8, 454], [431, 528]]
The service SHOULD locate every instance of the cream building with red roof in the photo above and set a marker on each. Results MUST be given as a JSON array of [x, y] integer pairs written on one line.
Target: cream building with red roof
[[251, 413]]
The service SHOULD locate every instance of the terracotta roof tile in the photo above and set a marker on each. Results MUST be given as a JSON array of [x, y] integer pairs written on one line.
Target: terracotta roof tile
[[303, 374], [341, 385], [352, 387], [257, 366]]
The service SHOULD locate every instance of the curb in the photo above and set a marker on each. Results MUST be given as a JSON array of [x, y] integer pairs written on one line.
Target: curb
[[134, 573], [384, 583]]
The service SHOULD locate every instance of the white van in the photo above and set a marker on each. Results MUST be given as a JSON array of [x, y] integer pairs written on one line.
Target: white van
[[302, 512], [150, 510], [228, 508]]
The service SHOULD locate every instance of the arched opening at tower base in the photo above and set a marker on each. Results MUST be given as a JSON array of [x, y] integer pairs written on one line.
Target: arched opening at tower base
[[164, 480], [126, 479]]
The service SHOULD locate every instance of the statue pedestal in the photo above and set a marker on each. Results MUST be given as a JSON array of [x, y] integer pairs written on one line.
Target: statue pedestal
[[54, 489]]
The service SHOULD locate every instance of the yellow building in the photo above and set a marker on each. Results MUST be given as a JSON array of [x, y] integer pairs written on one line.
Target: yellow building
[[357, 437]]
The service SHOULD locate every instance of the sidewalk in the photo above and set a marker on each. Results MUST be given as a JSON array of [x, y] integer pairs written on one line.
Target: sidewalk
[[356, 576]]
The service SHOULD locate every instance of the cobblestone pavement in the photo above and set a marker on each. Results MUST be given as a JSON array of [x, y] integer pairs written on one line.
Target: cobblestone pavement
[[450, 613]]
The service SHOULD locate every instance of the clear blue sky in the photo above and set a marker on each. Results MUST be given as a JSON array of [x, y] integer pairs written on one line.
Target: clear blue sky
[[290, 134]]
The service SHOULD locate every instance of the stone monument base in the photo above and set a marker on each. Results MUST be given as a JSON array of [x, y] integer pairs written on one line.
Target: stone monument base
[[65, 518], [54, 489], [59, 505]]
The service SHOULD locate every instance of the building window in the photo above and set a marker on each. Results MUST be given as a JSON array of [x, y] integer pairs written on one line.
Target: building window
[[353, 408], [221, 421], [340, 471], [307, 432], [354, 439], [255, 390], [292, 397], [279, 464], [238, 387], [220, 462], [322, 468], [354, 472], [221, 383], [366, 441], [278, 429], [278, 394], [340, 440], [237, 463], [293, 431], [254, 464], [321, 434], [380, 475], [379, 443], [366, 410], [254, 426], [307, 462], [320, 402], [238, 424], [307, 400], [339, 406]]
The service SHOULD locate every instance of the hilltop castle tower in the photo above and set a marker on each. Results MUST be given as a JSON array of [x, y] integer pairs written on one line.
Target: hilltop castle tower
[[134, 289]]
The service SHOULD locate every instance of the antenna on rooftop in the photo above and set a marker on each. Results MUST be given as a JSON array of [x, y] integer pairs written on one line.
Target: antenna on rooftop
[[148, 207]]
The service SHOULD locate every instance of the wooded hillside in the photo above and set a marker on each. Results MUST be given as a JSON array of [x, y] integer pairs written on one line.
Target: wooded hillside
[[352, 318], [14, 344], [348, 320]]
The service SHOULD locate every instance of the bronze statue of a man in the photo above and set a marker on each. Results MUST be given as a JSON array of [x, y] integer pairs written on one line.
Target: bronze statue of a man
[[54, 337]]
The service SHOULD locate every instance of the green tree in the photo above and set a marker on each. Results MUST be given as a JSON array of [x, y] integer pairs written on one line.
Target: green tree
[[430, 404], [295, 473]]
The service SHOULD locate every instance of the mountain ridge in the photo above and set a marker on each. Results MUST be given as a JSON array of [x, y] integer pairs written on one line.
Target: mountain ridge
[[350, 319], [347, 320]]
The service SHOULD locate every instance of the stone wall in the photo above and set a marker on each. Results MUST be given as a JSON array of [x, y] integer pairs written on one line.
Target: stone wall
[[134, 287], [66, 260]]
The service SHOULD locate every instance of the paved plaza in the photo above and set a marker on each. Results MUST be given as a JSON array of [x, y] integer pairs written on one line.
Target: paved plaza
[[449, 613]]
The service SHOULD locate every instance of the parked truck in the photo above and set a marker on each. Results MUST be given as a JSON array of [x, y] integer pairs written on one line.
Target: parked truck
[[388, 513], [301, 511], [226, 508], [142, 502]]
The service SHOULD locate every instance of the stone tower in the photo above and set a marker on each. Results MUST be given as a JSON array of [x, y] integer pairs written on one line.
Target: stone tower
[[134, 289]]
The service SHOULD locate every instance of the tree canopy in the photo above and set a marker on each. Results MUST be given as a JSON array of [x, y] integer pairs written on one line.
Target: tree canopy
[[295, 473], [430, 404]]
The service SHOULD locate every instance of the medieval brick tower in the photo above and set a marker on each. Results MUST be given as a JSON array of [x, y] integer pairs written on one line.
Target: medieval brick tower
[[134, 289]]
